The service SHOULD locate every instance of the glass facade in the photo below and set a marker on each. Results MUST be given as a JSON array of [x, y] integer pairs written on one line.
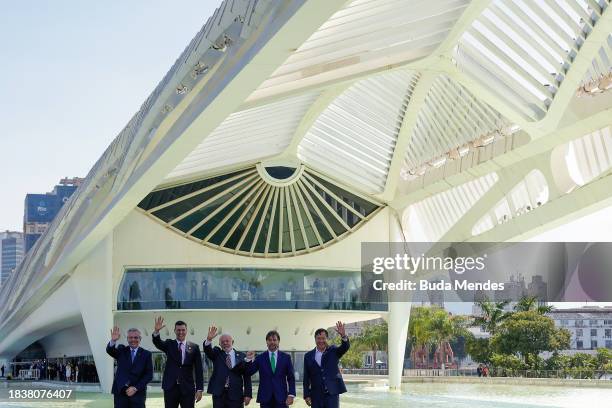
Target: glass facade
[[243, 288], [241, 213], [41, 209], [11, 253]]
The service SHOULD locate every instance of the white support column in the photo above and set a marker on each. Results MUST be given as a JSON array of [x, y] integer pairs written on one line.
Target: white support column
[[93, 284], [397, 319], [399, 316]]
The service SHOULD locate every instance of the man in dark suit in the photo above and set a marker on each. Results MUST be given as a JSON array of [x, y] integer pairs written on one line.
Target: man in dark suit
[[183, 363], [276, 375], [323, 381], [229, 385], [134, 369]]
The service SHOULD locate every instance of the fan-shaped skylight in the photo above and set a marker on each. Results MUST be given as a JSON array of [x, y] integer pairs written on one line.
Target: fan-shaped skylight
[[242, 212]]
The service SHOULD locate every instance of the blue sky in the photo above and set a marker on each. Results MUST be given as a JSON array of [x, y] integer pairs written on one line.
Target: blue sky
[[72, 73]]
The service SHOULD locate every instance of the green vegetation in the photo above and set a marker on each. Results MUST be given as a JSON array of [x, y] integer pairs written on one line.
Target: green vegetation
[[432, 329], [373, 338], [519, 336]]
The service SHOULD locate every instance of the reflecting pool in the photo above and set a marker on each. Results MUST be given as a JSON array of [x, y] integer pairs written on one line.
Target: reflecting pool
[[411, 396]]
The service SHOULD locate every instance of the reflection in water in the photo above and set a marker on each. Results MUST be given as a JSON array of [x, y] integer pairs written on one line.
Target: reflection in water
[[246, 288], [412, 396]]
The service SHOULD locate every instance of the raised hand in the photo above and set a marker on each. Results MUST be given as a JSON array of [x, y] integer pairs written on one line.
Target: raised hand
[[212, 333], [340, 329], [159, 324], [115, 334]]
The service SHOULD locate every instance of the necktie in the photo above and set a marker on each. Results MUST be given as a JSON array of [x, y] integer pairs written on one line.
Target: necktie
[[181, 352], [133, 355], [273, 362], [228, 363]]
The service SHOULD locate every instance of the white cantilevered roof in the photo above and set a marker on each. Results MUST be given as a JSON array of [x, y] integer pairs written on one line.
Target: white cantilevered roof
[[343, 102], [359, 91]]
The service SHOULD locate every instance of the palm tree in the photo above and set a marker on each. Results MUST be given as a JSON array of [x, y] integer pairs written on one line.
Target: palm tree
[[493, 314], [420, 334], [375, 338], [530, 303], [445, 328]]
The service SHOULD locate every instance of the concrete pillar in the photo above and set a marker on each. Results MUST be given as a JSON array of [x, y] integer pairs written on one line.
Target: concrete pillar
[[399, 316], [92, 282], [397, 319]]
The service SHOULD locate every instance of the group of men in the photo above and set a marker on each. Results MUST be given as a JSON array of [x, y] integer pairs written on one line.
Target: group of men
[[230, 382]]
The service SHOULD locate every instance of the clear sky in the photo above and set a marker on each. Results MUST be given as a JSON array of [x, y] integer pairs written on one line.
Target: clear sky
[[72, 73]]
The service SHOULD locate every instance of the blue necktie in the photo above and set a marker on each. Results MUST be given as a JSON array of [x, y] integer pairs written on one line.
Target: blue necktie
[[133, 355]]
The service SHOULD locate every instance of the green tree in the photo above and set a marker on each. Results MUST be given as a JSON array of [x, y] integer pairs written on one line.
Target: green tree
[[375, 338], [530, 303], [493, 314], [526, 334], [508, 362], [352, 358], [479, 349], [433, 327], [604, 359], [558, 362], [419, 332], [445, 328], [583, 365]]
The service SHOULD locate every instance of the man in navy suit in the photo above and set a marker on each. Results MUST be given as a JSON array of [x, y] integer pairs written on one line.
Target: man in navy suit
[[229, 385], [276, 375], [183, 363], [323, 381], [134, 369]]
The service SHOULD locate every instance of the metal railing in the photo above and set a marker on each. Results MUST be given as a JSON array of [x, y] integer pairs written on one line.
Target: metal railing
[[366, 371], [570, 373], [29, 374]]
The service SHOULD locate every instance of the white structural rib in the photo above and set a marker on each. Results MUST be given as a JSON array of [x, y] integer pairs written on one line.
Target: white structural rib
[[207, 83], [525, 196], [449, 118], [598, 78], [354, 137], [429, 219], [522, 50], [267, 129], [366, 35]]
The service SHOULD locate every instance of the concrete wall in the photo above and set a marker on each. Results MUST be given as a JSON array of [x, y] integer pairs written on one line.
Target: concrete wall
[[141, 241], [248, 327], [58, 312], [70, 342]]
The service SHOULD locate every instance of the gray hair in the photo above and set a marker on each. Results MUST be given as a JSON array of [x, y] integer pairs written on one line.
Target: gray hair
[[133, 329], [226, 334]]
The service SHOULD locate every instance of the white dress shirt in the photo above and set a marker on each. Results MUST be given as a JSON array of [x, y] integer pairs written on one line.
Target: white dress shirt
[[319, 356]]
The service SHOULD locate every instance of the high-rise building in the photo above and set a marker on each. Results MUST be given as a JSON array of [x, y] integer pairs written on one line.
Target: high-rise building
[[11, 253], [41, 209]]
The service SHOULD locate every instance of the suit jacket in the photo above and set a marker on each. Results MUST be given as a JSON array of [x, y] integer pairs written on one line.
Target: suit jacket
[[327, 377], [128, 374], [239, 381], [181, 372], [279, 384]]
